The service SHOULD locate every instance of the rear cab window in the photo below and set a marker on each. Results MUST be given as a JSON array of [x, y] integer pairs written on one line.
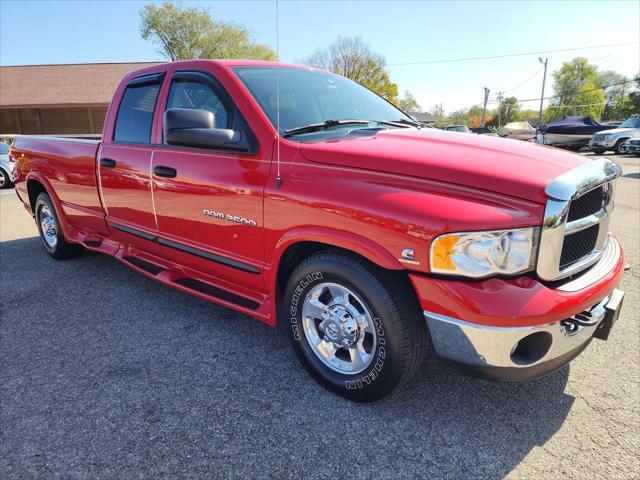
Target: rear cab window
[[135, 115]]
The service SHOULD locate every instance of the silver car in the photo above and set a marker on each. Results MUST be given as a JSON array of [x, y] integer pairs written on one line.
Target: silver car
[[615, 138], [5, 176]]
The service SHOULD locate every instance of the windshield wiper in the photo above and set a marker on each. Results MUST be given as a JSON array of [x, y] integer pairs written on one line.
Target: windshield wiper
[[314, 127]]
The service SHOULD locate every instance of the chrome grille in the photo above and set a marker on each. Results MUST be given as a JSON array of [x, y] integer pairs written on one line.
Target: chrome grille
[[588, 204], [576, 222], [598, 138], [578, 245]]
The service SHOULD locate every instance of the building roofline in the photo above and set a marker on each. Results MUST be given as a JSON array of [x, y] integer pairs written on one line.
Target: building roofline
[[89, 63]]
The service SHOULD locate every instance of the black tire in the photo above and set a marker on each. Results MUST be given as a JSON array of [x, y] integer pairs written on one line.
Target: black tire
[[598, 151], [617, 148], [5, 180], [402, 338], [61, 249]]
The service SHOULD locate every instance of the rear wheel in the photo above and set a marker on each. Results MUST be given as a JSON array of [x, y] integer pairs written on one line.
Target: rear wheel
[[619, 149], [50, 231], [353, 326], [5, 182]]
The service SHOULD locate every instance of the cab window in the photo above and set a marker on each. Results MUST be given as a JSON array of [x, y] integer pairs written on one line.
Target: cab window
[[188, 93], [135, 115]]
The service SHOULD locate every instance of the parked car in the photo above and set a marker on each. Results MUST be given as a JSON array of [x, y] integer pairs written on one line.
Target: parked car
[[5, 177], [483, 131], [457, 128], [336, 214], [615, 139], [632, 146]]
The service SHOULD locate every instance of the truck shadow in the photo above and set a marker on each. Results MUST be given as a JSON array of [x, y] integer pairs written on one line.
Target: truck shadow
[[98, 359]]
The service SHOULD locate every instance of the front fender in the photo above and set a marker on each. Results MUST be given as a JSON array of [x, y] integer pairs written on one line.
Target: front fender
[[369, 249]]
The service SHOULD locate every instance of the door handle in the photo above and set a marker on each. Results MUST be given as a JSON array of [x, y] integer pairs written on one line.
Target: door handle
[[163, 171], [107, 163]]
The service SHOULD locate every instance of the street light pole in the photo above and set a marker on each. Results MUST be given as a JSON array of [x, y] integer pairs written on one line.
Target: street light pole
[[544, 78]]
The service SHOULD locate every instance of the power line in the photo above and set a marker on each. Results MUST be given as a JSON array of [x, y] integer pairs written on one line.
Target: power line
[[521, 84], [540, 52], [568, 94]]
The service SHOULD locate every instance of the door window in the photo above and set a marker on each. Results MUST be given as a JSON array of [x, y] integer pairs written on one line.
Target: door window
[[135, 114], [187, 93]]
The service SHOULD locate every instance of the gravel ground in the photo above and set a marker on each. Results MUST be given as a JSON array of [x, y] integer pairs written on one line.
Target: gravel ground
[[107, 374]]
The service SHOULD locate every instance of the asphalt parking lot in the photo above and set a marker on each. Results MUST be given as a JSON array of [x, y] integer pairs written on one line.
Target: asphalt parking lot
[[107, 374]]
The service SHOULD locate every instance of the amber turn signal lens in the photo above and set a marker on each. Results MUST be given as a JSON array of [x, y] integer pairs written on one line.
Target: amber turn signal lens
[[442, 250]]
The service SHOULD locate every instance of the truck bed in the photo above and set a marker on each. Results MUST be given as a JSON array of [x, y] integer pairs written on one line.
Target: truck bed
[[68, 168]]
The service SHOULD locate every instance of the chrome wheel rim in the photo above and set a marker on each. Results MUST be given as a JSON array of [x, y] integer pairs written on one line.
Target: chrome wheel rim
[[48, 227], [339, 328], [3, 179]]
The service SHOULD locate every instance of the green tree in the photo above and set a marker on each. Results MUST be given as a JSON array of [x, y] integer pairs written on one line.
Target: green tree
[[183, 34], [438, 112], [408, 103], [353, 58], [507, 111], [577, 91], [618, 91], [524, 115], [633, 103]]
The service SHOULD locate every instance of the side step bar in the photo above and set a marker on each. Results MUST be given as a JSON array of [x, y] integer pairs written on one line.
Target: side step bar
[[189, 283]]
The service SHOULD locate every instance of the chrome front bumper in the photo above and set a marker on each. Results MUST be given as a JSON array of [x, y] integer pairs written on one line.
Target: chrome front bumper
[[522, 352], [602, 143]]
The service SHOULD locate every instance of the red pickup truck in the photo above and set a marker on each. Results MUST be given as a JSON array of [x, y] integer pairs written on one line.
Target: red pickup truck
[[294, 194]]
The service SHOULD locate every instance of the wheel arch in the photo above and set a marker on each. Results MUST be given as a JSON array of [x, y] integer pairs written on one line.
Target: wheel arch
[[35, 188], [298, 245], [36, 185]]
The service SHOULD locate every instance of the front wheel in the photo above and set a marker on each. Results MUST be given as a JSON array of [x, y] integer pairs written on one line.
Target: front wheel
[[619, 148], [50, 231], [353, 326]]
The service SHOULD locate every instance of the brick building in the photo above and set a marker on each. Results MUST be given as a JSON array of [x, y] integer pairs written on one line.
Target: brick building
[[58, 99]]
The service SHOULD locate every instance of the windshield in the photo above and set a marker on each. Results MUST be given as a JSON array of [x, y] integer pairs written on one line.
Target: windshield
[[631, 123], [4, 148], [310, 96]]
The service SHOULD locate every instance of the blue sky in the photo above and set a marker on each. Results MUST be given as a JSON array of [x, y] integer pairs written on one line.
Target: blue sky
[[41, 32]]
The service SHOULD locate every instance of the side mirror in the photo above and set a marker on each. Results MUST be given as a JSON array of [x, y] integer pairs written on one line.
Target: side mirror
[[189, 127]]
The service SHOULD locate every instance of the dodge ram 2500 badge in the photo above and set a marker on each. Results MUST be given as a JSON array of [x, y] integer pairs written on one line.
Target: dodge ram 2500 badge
[[335, 214]]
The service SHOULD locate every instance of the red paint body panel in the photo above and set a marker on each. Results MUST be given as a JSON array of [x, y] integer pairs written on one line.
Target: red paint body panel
[[516, 302], [515, 168], [374, 196]]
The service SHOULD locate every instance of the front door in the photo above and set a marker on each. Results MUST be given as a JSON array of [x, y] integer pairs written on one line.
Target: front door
[[124, 166], [209, 203]]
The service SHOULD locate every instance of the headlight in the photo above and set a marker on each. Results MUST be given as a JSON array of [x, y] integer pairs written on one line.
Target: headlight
[[609, 137], [481, 254]]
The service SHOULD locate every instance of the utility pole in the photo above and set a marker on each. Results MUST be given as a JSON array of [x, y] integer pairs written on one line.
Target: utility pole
[[499, 109], [544, 79], [484, 108]]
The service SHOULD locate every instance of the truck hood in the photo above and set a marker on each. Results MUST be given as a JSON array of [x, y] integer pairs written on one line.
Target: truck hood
[[512, 167], [619, 130]]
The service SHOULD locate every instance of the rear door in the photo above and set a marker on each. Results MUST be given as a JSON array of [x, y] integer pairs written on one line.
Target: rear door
[[209, 203], [124, 163]]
